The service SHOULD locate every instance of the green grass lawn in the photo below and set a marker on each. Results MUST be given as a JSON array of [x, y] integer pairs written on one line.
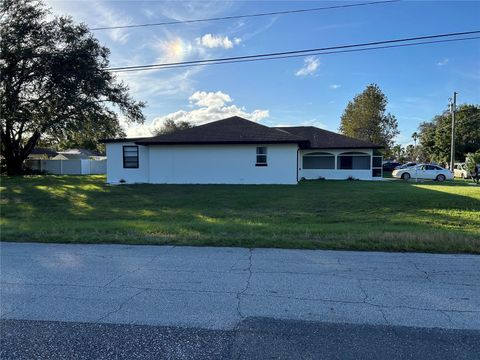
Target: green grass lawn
[[361, 215]]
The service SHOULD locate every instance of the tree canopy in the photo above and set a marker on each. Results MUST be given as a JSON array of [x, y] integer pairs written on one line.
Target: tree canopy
[[170, 125], [55, 84], [435, 136], [365, 118]]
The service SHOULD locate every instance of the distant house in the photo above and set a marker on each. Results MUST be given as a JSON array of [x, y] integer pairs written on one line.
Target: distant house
[[76, 154], [239, 151], [42, 153]]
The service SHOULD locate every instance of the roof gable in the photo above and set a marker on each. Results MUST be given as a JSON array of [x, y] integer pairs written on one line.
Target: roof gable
[[233, 130], [324, 139]]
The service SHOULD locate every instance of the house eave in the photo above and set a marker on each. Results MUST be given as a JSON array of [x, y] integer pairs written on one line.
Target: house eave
[[343, 147], [119, 140], [239, 142]]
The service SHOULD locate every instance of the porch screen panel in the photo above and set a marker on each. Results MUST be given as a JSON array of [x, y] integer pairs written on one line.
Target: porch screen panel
[[319, 162], [354, 162]]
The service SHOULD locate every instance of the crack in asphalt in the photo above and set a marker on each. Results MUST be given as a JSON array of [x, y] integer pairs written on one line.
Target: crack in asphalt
[[384, 316], [363, 273], [363, 291], [447, 316], [120, 307], [143, 266], [236, 263], [247, 285], [361, 303], [427, 277]]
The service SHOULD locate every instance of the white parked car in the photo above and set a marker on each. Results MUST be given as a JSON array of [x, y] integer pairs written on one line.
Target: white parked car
[[423, 171], [460, 170], [407, 165]]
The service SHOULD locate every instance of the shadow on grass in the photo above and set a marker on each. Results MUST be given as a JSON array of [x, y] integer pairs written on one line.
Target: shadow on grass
[[390, 215]]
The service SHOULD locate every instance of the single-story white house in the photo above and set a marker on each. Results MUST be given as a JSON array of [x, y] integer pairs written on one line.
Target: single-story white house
[[239, 151], [76, 154]]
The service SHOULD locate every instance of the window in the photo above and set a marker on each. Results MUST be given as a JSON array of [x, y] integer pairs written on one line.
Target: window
[[353, 161], [130, 157], [318, 160], [261, 156]]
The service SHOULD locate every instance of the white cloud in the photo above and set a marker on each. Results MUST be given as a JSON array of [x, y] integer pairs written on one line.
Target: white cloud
[[335, 86], [208, 107], [148, 13], [149, 85], [310, 66], [217, 41], [443, 62], [250, 29], [96, 14], [210, 99], [188, 10]]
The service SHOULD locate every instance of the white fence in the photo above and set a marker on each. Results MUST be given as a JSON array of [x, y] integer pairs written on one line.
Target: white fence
[[69, 167]]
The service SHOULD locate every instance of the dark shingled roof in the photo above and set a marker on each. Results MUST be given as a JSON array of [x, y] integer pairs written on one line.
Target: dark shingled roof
[[43, 151], [323, 139], [236, 130], [233, 130]]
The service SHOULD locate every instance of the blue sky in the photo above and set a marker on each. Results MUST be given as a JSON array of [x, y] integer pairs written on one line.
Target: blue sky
[[301, 91]]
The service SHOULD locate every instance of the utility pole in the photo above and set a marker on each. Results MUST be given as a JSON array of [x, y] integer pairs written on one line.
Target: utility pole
[[453, 108]]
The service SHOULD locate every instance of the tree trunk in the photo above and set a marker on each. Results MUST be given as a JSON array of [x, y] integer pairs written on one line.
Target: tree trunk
[[14, 165], [15, 155]]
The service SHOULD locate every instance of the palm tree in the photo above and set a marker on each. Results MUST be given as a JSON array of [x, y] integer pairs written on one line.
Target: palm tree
[[415, 137], [397, 151]]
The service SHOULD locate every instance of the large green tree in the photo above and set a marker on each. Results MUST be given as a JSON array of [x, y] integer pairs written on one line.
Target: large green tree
[[54, 83], [171, 125], [435, 136], [365, 118]]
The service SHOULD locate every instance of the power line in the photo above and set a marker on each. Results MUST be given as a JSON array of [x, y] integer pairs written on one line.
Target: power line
[[302, 55], [243, 16], [286, 53]]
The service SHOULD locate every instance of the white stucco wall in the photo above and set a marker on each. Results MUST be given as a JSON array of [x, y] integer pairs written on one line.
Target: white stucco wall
[[335, 174], [115, 170], [204, 164]]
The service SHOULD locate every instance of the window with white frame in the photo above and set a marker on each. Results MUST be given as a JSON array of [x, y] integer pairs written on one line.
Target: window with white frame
[[130, 157], [261, 156]]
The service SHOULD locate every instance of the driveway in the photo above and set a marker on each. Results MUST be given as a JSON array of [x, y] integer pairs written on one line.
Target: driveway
[[225, 289]]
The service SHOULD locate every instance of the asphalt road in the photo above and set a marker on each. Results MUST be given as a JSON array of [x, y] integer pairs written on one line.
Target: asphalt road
[[252, 339], [186, 302]]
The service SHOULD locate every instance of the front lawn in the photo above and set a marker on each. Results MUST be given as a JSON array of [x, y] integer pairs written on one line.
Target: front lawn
[[360, 215]]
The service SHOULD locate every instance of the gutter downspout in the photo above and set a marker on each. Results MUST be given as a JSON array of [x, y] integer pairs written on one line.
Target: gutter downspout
[[298, 150]]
